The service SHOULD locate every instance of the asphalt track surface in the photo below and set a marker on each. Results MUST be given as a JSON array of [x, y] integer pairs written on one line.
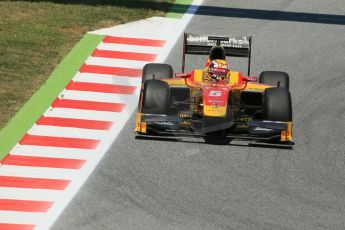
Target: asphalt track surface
[[147, 184]]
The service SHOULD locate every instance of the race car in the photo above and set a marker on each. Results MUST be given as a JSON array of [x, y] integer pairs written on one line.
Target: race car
[[214, 102]]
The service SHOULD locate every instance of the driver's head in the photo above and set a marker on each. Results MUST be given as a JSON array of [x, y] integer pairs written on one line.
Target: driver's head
[[217, 70]]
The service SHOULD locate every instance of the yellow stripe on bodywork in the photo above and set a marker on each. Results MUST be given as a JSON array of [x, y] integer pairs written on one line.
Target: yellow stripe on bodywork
[[198, 75], [253, 86], [137, 122], [175, 81], [140, 126], [233, 77], [286, 135]]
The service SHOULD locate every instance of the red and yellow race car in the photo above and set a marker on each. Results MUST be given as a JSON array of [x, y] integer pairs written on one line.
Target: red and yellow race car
[[214, 102]]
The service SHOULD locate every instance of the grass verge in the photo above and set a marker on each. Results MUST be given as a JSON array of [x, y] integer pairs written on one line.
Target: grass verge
[[40, 101], [35, 36]]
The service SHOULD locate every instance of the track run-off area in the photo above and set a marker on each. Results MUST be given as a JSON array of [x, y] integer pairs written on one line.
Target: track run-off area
[[187, 184]]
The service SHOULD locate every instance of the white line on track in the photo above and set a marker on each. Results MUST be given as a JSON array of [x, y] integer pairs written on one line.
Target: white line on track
[[54, 131], [30, 194], [129, 48], [83, 114], [43, 151], [112, 62], [96, 96], [107, 79], [11, 217], [39, 172]]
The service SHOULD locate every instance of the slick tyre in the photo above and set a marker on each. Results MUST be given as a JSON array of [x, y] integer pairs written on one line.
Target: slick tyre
[[277, 105], [155, 97], [275, 78], [156, 71]]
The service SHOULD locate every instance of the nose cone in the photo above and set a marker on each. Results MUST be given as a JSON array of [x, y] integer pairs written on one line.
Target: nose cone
[[214, 111], [215, 101]]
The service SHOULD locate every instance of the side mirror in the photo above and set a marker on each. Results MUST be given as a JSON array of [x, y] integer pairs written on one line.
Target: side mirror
[[251, 78], [182, 75]]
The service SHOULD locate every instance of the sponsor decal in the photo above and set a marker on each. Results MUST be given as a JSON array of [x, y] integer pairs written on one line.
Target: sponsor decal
[[184, 115], [192, 38], [167, 123], [252, 78], [244, 119], [181, 75], [242, 126], [215, 96], [215, 93], [185, 123], [262, 129], [278, 122], [236, 42]]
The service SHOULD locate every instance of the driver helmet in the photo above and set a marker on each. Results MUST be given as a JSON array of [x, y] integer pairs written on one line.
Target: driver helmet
[[217, 70]]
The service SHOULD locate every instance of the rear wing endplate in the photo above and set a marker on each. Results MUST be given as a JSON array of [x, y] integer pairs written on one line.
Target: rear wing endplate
[[202, 44]]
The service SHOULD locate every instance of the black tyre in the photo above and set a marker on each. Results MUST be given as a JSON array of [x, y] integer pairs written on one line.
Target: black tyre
[[277, 105], [274, 78], [155, 97], [156, 71]]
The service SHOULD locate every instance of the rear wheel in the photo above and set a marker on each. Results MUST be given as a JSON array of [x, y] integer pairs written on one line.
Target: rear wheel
[[155, 97], [275, 78], [156, 71], [277, 105]]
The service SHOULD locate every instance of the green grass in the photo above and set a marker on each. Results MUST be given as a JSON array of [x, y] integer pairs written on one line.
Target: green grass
[[43, 98], [36, 35], [180, 7]]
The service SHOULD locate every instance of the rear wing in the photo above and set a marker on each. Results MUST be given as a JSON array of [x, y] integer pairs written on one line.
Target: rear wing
[[202, 44]]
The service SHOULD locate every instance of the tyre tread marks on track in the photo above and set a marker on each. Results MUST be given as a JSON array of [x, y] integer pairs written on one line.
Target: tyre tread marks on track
[[22, 182]]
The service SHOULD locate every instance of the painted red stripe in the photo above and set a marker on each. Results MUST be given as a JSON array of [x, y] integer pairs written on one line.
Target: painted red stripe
[[88, 105], [49, 162], [134, 41], [24, 205], [118, 71], [33, 183], [124, 55], [74, 123], [103, 88], [59, 142], [4, 226]]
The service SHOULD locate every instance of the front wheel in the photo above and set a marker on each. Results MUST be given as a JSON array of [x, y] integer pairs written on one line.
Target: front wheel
[[155, 97], [156, 71], [275, 78], [277, 105]]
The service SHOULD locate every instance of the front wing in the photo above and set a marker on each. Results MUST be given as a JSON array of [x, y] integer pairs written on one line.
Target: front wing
[[175, 126]]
